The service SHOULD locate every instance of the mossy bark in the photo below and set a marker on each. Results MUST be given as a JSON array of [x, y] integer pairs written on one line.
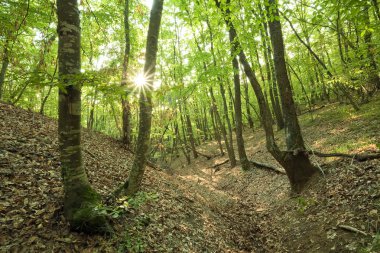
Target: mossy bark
[[80, 199]]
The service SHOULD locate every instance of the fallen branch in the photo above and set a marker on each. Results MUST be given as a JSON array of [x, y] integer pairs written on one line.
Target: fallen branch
[[312, 110], [268, 166], [352, 229], [357, 157], [221, 163], [207, 156]]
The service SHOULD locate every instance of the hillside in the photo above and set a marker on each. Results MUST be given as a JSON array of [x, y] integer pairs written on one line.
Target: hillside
[[196, 208]]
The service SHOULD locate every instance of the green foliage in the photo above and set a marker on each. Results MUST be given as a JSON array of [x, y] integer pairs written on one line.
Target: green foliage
[[374, 246], [133, 239], [304, 203], [125, 204]]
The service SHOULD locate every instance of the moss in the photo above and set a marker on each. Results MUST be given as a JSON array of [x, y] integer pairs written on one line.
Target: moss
[[80, 210]]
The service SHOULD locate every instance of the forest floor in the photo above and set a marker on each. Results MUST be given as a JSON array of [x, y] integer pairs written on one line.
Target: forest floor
[[196, 208]]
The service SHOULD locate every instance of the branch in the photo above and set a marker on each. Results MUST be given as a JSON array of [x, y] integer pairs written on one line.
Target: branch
[[220, 164], [358, 157], [352, 229], [267, 166]]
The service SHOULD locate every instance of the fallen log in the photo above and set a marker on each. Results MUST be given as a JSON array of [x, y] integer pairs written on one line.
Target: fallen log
[[358, 157], [267, 166]]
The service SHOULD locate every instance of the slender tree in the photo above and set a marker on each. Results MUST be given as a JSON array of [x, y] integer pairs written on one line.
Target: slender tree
[[145, 120], [235, 66], [126, 129]]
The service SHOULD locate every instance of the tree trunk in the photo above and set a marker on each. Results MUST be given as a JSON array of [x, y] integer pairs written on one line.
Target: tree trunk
[[216, 130], [374, 76], [249, 116], [297, 164], [273, 94], [4, 66], [126, 114], [190, 133], [80, 199], [229, 147], [145, 120], [235, 66], [227, 139], [42, 107]]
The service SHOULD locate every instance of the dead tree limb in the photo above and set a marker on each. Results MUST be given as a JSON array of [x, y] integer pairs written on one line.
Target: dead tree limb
[[267, 166], [352, 229], [220, 164], [358, 157]]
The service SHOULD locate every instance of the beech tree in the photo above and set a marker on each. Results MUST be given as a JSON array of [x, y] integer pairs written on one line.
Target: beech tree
[[80, 198], [133, 183], [126, 108]]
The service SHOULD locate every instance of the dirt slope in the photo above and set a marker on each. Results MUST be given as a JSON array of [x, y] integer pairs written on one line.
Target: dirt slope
[[194, 208], [179, 220]]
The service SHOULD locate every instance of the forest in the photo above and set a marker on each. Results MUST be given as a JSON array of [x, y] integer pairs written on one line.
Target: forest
[[190, 126]]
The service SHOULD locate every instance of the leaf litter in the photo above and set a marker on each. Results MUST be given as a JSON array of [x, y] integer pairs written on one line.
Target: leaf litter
[[198, 209]]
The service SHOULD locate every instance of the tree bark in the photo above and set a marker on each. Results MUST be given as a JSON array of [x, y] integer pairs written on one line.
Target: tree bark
[[126, 114], [297, 164], [227, 138], [235, 66], [370, 50], [80, 198], [190, 133], [4, 66], [145, 120]]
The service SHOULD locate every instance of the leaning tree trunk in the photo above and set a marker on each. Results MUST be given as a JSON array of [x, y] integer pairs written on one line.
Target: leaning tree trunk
[[235, 66], [145, 121], [126, 129], [80, 199], [296, 162]]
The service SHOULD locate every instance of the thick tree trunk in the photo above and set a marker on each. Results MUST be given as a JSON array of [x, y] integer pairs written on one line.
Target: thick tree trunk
[[235, 66], [80, 199], [296, 164], [143, 141], [126, 114]]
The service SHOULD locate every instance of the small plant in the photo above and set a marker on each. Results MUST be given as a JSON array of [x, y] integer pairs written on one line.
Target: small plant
[[304, 203], [126, 203], [374, 246]]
